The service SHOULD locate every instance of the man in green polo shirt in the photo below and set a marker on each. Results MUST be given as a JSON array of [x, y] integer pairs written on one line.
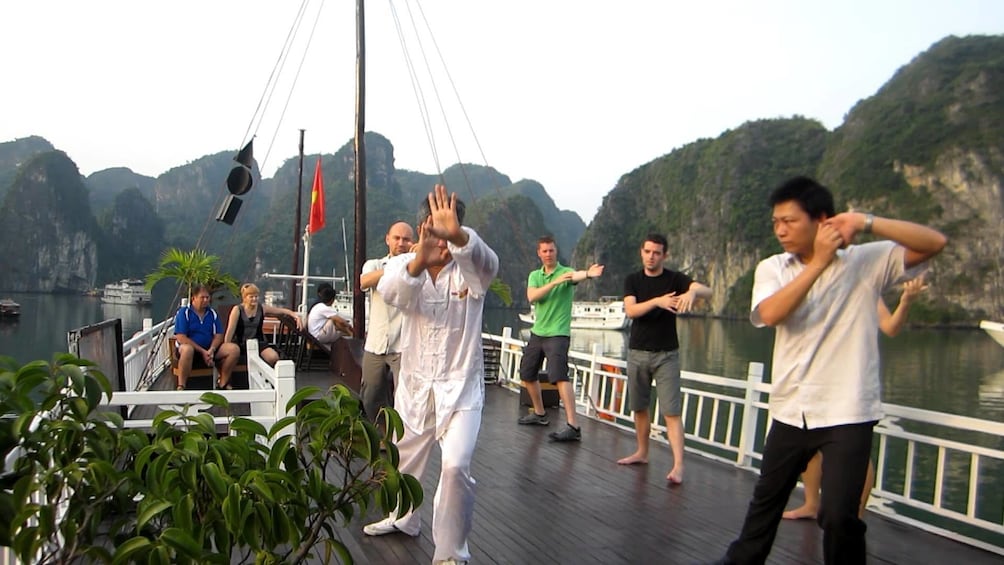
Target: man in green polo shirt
[[550, 289]]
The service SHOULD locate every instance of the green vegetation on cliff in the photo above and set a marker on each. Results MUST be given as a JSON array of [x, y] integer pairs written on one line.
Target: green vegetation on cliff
[[48, 232], [926, 147], [709, 199]]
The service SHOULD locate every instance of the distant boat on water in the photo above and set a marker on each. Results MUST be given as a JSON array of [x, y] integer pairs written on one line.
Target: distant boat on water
[[275, 298], [995, 330], [9, 308], [607, 313], [126, 291]]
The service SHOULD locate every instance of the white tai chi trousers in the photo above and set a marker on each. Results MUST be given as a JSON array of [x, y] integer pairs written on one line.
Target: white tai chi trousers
[[453, 505]]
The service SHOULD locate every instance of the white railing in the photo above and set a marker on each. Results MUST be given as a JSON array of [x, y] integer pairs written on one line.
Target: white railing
[[136, 354], [268, 393], [947, 466]]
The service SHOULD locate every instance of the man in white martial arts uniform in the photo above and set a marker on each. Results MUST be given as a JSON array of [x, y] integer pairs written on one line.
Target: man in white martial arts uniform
[[440, 289]]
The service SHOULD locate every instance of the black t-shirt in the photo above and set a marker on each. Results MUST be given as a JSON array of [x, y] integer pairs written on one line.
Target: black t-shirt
[[656, 330]]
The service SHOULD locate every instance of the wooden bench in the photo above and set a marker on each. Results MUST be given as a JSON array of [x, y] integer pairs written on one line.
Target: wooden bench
[[198, 367]]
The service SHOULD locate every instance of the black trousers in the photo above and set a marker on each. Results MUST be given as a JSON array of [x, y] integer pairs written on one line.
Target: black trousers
[[846, 450]]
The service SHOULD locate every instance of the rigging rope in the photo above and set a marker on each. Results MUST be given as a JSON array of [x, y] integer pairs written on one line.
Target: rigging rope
[[423, 109], [252, 130]]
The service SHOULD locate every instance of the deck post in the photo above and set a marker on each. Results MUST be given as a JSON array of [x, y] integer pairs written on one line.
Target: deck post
[[747, 434], [593, 380], [506, 356], [285, 388]]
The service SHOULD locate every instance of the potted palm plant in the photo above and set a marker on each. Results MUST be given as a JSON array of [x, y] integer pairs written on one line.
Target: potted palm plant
[[193, 267]]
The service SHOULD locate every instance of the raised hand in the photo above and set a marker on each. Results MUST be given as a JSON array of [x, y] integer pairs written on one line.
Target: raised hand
[[445, 224], [594, 271], [430, 251], [912, 288], [847, 225]]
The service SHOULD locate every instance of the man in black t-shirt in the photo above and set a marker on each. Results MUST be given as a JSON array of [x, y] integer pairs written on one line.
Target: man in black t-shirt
[[652, 298]]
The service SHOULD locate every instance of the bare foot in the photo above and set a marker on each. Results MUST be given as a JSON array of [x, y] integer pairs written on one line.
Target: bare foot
[[801, 513], [675, 476], [633, 459]]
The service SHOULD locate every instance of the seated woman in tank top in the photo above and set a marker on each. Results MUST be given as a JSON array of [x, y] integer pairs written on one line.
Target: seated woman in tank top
[[247, 320]]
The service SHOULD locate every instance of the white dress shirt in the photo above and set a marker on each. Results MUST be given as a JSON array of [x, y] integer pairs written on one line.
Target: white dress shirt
[[826, 361], [384, 331], [442, 363]]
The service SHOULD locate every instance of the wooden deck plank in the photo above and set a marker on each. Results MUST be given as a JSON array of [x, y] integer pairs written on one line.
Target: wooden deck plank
[[544, 502]]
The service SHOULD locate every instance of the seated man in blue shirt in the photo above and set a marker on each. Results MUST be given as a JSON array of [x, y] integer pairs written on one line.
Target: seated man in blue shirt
[[199, 333]]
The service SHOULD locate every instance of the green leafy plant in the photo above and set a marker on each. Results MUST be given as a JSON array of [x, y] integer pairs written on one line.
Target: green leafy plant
[[190, 268], [502, 290], [81, 486]]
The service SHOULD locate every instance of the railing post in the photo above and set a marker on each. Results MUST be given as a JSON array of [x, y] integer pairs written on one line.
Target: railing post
[[593, 380], [505, 357], [747, 433], [285, 388]]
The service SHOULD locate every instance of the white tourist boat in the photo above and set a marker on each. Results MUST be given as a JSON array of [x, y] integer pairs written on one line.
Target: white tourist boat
[[994, 329], [9, 308], [126, 291], [275, 298], [607, 313]]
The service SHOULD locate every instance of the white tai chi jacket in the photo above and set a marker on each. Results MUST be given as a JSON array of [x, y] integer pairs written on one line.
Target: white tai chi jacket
[[442, 363]]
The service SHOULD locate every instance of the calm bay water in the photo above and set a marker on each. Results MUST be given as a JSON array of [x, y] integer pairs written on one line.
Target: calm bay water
[[955, 371], [958, 371], [45, 318]]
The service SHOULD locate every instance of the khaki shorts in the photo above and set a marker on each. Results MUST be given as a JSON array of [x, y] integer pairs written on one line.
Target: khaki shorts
[[662, 366]]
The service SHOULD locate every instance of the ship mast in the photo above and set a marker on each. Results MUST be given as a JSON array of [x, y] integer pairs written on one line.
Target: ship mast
[[296, 231], [359, 246]]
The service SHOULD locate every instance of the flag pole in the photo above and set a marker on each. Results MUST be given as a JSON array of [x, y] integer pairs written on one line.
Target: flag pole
[[306, 270]]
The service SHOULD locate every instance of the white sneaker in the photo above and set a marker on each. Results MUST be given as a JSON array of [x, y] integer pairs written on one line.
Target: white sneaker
[[449, 562], [384, 527]]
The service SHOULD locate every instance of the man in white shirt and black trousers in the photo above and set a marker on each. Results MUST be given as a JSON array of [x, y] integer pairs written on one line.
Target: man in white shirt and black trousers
[[820, 295]]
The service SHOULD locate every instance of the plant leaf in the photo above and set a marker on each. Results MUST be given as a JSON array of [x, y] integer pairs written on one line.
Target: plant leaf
[[125, 552], [150, 509]]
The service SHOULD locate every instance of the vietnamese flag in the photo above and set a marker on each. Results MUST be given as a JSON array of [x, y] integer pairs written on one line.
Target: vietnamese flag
[[317, 201]]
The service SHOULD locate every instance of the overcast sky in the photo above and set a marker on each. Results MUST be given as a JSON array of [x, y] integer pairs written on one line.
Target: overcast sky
[[572, 94]]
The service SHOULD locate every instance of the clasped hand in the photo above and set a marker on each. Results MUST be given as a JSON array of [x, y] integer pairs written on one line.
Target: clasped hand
[[677, 304]]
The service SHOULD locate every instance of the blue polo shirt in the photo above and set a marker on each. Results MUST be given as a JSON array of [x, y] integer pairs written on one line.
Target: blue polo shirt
[[200, 330]]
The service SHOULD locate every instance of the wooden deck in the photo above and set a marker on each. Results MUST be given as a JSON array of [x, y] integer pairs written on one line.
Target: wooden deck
[[544, 502]]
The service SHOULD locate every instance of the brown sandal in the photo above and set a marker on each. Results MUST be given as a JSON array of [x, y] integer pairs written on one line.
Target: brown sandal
[[179, 387]]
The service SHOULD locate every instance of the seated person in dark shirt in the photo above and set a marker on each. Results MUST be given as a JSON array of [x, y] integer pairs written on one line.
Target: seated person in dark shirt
[[247, 321]]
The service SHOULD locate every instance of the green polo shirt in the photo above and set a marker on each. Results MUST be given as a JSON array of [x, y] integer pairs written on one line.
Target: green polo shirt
[[553, 313]]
